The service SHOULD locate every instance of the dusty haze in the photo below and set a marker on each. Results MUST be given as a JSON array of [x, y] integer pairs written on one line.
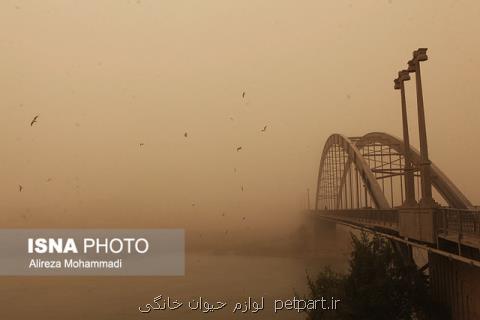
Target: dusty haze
[[106, 76]]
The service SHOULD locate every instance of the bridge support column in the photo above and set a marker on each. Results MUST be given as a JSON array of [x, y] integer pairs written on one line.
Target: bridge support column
[[409, 174], [425, 164], [417, 223], [455, 285], [320, 232]]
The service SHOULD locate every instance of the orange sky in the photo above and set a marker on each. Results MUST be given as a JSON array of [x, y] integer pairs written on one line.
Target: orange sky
[[105, 76]]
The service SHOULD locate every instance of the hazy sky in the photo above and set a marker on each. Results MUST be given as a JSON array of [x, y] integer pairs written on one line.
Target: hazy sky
[[105, 76]]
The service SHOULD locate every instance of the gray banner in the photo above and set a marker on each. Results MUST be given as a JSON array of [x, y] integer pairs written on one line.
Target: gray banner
[[90, 252]]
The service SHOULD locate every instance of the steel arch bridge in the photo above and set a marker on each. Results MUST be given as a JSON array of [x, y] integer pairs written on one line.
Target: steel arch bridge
[[361, 180], [368, 171], [374, 183], [362, 184]]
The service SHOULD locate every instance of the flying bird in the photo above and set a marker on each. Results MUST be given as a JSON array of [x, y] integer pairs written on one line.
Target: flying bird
[[239, 148], [264, 129], [34, 120], [20, 188]]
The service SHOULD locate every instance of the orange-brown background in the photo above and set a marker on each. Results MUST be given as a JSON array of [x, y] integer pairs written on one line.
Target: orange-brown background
[[105, 76]]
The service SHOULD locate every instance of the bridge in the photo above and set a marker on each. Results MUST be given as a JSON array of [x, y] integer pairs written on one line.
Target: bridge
[[379, 183]]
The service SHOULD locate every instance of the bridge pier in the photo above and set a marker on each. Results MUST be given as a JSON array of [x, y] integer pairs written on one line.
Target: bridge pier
[[320, 233], [417, 223]]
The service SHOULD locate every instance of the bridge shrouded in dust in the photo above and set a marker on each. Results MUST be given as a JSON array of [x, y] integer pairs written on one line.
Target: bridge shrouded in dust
[[379, 183]]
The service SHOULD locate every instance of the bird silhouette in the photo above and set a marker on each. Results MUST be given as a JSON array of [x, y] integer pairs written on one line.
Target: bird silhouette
[[34, 120], [20, 188], [142, 144], [239, 148], [264, 129]]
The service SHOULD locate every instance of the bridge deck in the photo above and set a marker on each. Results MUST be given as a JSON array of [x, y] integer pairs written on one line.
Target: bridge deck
[[387, 219], [455, 225]]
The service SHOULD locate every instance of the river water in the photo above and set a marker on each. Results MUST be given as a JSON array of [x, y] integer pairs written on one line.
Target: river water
[[223, 277]]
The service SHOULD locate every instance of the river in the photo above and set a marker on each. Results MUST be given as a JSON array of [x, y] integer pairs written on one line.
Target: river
[[222, 277]]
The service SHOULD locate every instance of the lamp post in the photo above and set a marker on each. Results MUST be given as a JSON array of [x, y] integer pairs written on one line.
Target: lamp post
[[308, 199], [409, 178], [425, 174]]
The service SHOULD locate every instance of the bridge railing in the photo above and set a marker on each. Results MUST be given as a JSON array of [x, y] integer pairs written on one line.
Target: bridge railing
[[382, 218], [458, 221]]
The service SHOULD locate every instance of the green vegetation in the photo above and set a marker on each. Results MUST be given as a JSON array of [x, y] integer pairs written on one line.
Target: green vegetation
[[379, 285]]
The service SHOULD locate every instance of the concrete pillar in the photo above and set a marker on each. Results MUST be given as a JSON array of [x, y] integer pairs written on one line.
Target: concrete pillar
[[409, 178], [425, 170]]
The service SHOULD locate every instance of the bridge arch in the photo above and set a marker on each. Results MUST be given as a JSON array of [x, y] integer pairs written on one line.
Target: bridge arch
[[354, 156], [341, 153]]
